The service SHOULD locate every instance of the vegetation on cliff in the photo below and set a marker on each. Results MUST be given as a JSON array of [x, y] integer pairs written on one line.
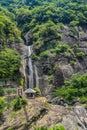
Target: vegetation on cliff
[[55, 29], [9, 64], [53, 128], [44, 23], [9, 33], [76, 89]]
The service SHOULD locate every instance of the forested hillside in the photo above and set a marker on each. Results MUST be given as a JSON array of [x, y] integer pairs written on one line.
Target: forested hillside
[[56, 30], [45, 23]]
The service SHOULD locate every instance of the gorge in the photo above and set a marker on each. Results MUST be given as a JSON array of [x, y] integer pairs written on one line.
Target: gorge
[[43, 48]]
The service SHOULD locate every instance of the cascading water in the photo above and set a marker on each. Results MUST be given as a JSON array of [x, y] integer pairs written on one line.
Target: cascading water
[[31, 78], [36, 76]]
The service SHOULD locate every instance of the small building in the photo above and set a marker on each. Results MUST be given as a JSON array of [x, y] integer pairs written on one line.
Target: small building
[[30, 93]]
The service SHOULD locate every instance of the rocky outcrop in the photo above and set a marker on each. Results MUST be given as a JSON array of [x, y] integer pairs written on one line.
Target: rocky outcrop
[[68, 64], [40, 113], [59, 78], [76, 116]]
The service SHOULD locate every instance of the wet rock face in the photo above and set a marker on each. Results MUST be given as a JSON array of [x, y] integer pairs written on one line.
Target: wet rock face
[[66, 68], [28, 39], [41, 78], [58, 78]]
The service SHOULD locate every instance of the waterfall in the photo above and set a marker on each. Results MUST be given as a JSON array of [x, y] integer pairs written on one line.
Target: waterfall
[[36, 76], [31, 78]]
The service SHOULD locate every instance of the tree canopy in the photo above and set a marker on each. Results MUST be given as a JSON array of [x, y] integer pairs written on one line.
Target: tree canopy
[[9, 64], [44, 22]]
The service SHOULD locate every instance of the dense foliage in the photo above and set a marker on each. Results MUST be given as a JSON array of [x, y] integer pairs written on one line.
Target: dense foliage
[[1, 91], [2, 105], [9, 33], [9, 64], [43, 21], [18, 103], [76, 89]]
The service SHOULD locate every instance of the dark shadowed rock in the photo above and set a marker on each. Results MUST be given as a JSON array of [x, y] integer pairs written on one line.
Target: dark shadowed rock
[[58, 78]]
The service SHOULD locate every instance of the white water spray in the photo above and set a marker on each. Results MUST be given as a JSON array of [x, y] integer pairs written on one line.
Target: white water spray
[[31, 80]]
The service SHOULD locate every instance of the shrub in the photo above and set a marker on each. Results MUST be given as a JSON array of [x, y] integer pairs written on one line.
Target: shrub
[[23, 102], [57, 128], [74, 89], [2, 105], [18, 103], [62, 48], [74, 23], [45, 54], [53, 128], [10, 128], [83, 99], [55, 68], [13, 115], [48, 53], [40, 128], [50, 79], [61, 26], [72, 62], [37, 89], [21, 81], [1, 91], [75, 47], [59, 36], [80, 55], [34, 57]]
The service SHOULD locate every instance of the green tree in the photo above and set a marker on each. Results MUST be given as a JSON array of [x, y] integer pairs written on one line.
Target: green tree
[[74, 89], [23, 16], [2, 105], [9, 64], [18, 103]]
